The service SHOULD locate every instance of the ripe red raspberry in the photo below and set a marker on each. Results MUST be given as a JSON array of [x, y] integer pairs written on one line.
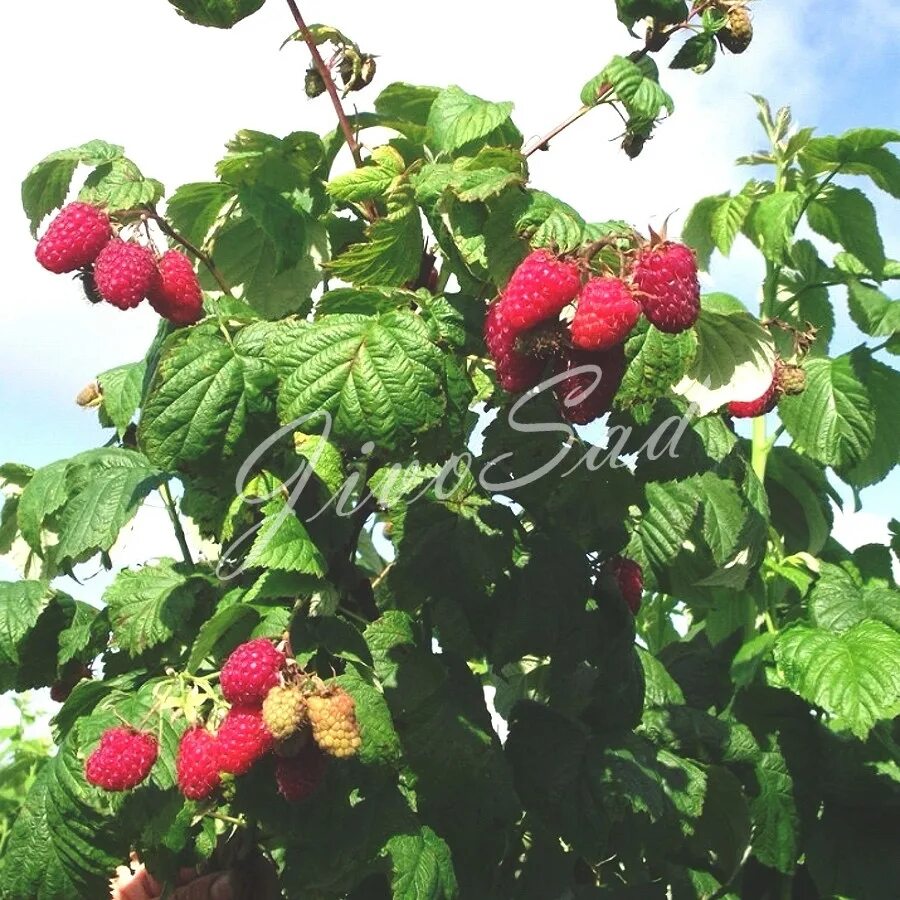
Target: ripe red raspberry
[[242, 739], [122, 760], [665, 281], [539, 288], [605, 315], [250, 672], [176, 294], [599, 398], [332, 716], [124, 273], [750, 409], [298, 776], [74, 239], [630, 578], [515, 371], [197, 763]]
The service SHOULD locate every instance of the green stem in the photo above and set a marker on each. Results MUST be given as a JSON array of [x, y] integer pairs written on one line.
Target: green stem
[[779, 431], [785, 305], [759, 448], [172, 510]]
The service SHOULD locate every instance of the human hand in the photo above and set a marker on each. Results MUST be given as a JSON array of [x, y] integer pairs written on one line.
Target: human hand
[[136, 883]]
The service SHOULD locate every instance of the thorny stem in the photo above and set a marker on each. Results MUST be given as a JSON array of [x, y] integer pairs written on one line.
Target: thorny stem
[[544, 142], [330, 86], [205, 258], [169, 500]]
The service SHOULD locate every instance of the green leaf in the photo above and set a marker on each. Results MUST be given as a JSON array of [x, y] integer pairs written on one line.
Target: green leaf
[[733, 360], [751, 658], [873, 312], [839, 601], [729, 217], [549, 222], [21, 605], [216, 13], [860, 151], [724, 517], [204, 391], [422, 867], [774, 814], [697, 53], [882, 383], [635, 84], [772, 221], [698, 228], [466, 178], [280, 220], [409, 102], [284, 544], [799, 499], [194, 208], [86, 635], [370, 181], [462, 784], [105, 489], [854, 676], [148, 606], [670, 510], [47, 184], [246, 255], [121, 391], [656, 362], [43, 496], [847, 217], [457, 118], [120, 186], [391, 254], [833, 419], [668, 12], [257, 159], [379, 377]]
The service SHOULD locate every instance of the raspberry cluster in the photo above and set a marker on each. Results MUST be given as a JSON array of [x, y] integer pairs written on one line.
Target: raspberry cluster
[[275, 708], [123, 273], [659, 282]]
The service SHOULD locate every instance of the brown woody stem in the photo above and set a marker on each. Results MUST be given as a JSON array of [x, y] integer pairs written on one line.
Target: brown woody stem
[[330, 86]]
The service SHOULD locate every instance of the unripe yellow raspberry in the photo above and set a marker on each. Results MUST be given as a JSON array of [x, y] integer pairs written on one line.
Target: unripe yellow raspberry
[[334, 726], [284, 710], [738, 31]]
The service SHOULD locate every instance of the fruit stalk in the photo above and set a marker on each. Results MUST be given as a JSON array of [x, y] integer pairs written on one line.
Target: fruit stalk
[[169, 501], [205, 258]]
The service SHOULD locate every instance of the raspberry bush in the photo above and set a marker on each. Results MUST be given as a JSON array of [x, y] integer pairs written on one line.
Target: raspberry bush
[[426, 638]]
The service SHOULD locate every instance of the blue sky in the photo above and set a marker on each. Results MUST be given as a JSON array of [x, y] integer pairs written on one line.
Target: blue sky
[[835, 63]]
